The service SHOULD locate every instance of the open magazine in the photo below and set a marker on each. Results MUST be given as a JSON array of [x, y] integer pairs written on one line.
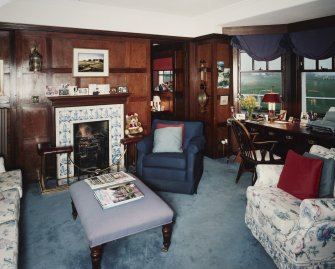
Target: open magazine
[[113, 196], [109, 180]]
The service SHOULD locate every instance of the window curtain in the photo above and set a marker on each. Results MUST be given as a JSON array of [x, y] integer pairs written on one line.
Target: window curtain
[[162, 64], [261, 47], [315, 44]]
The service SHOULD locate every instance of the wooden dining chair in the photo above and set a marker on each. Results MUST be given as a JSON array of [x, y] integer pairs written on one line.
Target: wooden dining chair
[[253, 152]]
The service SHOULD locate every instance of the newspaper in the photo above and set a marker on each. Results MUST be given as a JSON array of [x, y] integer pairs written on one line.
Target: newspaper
[[113, 196], [109, 180]]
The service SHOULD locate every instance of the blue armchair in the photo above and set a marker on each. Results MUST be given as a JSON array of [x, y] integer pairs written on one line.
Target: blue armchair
[[173, 171]]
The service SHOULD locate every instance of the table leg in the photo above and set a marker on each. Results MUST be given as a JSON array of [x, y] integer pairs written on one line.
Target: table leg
[[167, 231], [96, 254]]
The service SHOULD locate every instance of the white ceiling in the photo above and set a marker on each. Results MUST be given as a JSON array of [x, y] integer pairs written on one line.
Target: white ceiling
[[283, 13], [187, 18]]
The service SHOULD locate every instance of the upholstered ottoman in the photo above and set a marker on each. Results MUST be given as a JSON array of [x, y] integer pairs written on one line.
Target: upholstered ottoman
[[104, 225]]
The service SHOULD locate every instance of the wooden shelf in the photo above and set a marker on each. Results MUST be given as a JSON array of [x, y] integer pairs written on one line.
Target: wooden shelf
[[82, 100]]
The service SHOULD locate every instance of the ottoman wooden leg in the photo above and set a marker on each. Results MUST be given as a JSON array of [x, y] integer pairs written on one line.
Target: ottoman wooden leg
[[167, 231], [74, 211], [96, 254]]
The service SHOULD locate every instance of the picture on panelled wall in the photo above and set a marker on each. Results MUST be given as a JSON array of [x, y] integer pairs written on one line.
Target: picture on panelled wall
[[1, 78], [226, 78], [220, 66], [223, 100], [90, 63]]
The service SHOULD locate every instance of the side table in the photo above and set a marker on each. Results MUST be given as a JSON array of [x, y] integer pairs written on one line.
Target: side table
[[45, 150], [130, 141]]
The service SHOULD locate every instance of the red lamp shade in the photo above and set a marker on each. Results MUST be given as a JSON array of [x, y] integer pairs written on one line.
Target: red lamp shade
[[271, 97]]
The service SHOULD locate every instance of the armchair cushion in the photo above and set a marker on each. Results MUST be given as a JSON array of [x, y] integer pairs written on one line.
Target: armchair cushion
[[326, 187], [165, 160], [300, 176], [164, 125], [168, 139]]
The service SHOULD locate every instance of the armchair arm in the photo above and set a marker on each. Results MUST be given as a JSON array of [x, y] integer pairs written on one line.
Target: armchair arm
[[268, 174], [145, 145], [317, 210], [196, 144]]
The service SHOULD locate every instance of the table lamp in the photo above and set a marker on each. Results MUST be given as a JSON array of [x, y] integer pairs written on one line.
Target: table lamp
[[156, 101], [271, 98]]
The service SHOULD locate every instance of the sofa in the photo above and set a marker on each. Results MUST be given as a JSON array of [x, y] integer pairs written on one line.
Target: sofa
[[295, 233], [10, 194], [171, 157]]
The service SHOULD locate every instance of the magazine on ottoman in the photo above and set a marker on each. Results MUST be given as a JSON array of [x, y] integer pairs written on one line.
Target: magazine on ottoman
[[109, 180], [117, 195]]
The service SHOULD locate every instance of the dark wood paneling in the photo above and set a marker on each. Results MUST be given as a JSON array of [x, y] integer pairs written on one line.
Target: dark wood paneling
[[129, 65]]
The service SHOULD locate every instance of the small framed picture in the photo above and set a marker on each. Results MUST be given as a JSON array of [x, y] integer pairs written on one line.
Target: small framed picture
[[51, 91], [82, 91], [223, 100], [113, 90], [282, 115], [240, 116], [122, 89], [304, 117]]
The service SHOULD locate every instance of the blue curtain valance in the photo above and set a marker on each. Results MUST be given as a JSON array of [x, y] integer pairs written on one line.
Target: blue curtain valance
[[314, 44]]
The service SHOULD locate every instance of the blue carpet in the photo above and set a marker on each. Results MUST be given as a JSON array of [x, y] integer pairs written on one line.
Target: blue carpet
[[209, 231]]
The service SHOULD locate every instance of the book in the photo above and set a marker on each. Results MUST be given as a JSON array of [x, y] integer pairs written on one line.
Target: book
[[109, 180], [113, 196]]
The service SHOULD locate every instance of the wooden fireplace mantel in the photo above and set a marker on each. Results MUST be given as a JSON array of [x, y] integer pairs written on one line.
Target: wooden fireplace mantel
[[89, 100]]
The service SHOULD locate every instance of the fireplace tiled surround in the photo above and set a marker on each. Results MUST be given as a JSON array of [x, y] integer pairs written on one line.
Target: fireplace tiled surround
[[66, 117]]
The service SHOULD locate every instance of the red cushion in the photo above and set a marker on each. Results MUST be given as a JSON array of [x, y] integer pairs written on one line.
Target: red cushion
[[301, 176], [163, 125]]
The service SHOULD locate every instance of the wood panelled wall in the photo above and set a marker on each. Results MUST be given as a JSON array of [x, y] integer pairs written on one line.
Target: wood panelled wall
[[129, 64], [212, 49]]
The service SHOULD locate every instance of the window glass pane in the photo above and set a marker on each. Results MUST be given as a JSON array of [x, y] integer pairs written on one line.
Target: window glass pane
[[275, 64], [258, 84], [260, 65], [309, 64], [325, 64], [246, 62], [319, 91]]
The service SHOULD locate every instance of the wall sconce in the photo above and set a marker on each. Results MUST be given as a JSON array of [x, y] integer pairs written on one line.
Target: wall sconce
[[35, 60], [202, 96], [271, 98]]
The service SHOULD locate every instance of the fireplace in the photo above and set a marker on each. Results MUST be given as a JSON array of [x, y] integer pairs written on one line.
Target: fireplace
[[94, 132], [90, 146]]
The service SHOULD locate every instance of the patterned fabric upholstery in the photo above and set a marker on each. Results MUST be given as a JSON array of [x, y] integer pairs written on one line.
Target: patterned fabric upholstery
[[10, 194], [296, 234]]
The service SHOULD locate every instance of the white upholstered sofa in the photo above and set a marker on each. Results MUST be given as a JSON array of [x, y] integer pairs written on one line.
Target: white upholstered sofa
[[295, 233], [10, 194]]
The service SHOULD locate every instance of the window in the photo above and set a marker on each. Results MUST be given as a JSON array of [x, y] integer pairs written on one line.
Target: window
[[260, 77], [166, 78], [317, 85]]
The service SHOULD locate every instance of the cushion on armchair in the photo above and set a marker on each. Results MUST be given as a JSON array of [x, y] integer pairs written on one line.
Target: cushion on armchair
[[326, 187], [301, 176], [164, 125], [168, 139]]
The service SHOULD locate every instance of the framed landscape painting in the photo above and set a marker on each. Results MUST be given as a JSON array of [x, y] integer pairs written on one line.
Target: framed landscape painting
[[90, 63]]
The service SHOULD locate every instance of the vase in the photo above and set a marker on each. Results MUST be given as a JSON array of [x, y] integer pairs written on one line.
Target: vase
[[249, 113]]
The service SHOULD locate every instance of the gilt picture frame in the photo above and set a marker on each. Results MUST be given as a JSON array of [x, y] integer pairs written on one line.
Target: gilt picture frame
[[90, 63]]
